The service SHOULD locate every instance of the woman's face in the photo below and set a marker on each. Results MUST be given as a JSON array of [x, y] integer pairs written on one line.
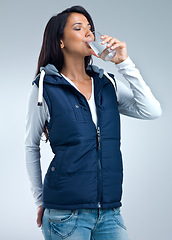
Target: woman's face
[[77, 33]]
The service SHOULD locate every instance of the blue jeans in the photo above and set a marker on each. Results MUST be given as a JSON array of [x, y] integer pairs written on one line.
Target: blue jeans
[[83, 224]]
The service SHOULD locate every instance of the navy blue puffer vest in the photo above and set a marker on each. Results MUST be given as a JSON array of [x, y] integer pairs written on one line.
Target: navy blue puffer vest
[[86, 171]]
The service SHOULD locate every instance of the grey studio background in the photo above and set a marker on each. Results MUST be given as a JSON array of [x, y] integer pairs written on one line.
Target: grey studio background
[[146, 145]]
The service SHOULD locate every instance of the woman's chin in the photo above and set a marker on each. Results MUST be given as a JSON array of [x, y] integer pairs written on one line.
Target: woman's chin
[[90, 52]]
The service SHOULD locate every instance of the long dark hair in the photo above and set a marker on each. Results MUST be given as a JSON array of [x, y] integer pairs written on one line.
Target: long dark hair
[[51, 51]]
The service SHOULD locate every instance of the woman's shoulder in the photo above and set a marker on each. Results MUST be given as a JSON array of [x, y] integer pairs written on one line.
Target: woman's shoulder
[[96, 69]]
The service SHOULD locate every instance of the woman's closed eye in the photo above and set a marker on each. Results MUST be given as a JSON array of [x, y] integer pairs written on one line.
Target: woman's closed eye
[[77, 29]]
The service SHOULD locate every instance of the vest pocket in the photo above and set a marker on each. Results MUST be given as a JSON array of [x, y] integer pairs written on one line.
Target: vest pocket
[[54, 168], [78, 111]]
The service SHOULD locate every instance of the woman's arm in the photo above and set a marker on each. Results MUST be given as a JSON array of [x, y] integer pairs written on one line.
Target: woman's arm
[[138, 100], [35, 121]]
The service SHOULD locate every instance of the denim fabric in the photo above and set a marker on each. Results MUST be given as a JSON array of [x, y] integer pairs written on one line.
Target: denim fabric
[[84, 224]]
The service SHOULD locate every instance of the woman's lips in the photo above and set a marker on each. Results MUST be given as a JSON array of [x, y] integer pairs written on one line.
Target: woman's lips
[[87, 44]]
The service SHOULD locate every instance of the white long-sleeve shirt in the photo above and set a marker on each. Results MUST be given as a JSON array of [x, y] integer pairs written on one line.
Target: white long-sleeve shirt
[[136, 101]]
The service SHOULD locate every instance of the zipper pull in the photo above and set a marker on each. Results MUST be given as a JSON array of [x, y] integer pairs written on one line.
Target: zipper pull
[[98, 137], [99, 205]]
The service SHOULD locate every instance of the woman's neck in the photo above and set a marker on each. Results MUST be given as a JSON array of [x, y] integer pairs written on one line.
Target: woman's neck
[[74, 69]]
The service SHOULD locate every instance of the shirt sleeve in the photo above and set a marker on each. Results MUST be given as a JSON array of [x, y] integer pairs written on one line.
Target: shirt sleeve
[[35, 121], [138, 100]]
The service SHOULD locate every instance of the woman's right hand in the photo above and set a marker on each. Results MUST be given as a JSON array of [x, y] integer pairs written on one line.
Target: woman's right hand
[[40, 213]]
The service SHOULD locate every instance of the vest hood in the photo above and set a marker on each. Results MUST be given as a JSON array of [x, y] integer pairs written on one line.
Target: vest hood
[[51, 70]]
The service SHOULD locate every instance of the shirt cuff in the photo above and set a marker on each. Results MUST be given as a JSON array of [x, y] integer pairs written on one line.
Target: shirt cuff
[[38, 203], [127, 62]]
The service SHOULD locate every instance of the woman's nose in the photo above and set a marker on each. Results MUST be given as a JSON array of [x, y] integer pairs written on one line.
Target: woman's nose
[[88, 33]]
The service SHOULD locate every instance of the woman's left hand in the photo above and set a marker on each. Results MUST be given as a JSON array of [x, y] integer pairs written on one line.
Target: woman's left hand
[[119, 47]]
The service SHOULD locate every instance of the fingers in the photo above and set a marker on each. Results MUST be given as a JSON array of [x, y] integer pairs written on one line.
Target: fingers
[[112, 43], [109, 39], [118, 45], [39, 216], [39, 221]]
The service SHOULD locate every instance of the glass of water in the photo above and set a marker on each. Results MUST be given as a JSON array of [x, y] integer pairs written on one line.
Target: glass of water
[[101, 50]]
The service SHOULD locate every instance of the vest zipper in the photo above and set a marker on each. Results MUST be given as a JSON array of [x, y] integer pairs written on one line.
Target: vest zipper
[[99, 168], [98, 138], [98, 147]]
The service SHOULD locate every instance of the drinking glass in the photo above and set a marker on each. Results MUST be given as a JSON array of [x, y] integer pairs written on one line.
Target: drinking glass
[[101, 50]]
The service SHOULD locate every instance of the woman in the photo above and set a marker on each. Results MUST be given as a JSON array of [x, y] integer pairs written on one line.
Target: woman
[[78, 110]]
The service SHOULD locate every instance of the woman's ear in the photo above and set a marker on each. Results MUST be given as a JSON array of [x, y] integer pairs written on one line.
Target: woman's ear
[[61, 44]]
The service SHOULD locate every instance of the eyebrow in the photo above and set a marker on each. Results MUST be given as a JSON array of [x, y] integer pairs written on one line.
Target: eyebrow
[[80, 23]]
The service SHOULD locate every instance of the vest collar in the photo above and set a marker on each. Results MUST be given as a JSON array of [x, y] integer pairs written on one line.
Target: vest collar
[[51, 75]]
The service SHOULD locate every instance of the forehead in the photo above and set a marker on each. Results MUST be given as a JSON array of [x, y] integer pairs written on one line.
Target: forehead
[[76, 18]]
